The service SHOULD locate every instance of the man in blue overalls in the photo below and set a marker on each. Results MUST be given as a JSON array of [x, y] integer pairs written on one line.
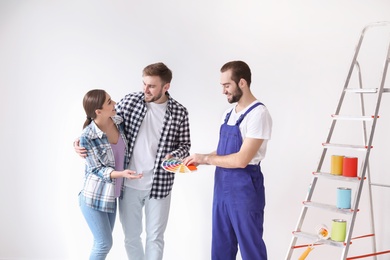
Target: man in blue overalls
[[239, 199]]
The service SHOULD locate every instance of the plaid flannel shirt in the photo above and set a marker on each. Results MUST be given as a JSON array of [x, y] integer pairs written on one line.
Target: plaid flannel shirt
[[174, 140], [98, 189]]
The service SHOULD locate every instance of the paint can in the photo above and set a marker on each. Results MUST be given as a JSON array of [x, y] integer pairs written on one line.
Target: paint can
[[350, 166], [336, 164], [339, 230], [343, 198]]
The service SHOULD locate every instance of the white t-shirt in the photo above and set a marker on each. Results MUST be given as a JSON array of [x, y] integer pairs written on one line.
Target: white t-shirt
[[256, 124], [146, 145]]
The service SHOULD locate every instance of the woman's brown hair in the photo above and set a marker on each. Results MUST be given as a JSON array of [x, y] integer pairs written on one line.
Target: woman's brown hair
[[94, 99]]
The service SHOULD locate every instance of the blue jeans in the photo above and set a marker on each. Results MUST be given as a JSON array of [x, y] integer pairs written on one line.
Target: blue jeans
[[101, 225], [156, 219]]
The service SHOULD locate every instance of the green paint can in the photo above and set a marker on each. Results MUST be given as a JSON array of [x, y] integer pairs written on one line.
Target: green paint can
[[339, 230]]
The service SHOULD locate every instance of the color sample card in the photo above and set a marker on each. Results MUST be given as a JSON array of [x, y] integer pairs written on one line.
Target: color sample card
[[175, 165]]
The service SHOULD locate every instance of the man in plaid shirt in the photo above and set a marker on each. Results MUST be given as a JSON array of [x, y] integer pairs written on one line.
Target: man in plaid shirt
[[157, 128]]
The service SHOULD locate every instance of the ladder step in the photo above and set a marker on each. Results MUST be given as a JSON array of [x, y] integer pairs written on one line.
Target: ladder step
[[336, 177], [380, 185], [365, 90], [310, 204], [361, 90], [314, 238], [359, 118], [347, 146]]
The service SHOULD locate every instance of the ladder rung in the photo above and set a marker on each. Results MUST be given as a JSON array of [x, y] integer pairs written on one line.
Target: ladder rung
[[360, 118], [365, 90], [348, 146], [327, 207], [361, 90], [380, 185], [368, 255], [336, 177], [363, 236], [315, 238]]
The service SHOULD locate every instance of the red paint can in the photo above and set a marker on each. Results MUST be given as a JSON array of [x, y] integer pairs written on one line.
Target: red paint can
[[350, 166]]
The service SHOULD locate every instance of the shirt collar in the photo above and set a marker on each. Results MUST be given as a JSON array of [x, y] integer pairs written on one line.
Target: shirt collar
[[99, 133], [169, 104], [96, 132]]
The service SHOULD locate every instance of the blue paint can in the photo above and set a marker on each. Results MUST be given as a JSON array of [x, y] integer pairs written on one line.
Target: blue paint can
[[343, 198]]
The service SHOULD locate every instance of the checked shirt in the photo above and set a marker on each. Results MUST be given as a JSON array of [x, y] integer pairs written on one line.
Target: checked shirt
[[174, 139], [98, 189]]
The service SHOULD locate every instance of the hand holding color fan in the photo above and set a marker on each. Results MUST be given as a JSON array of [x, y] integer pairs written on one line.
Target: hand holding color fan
[[176, 165]]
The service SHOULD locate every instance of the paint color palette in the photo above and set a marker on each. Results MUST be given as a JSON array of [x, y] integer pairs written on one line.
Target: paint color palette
[[176, 166]]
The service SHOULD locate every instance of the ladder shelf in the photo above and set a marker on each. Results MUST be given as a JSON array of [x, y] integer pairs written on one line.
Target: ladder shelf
[[328, 207], [336, 177], [314, 237]]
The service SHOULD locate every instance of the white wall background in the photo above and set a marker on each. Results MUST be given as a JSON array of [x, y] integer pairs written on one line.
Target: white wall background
[[52, 52]]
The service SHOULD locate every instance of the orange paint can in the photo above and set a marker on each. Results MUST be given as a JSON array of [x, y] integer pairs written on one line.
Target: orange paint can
[[350, 166]]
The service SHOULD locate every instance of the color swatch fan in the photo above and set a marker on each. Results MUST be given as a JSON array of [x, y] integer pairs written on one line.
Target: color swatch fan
[[177, 166]]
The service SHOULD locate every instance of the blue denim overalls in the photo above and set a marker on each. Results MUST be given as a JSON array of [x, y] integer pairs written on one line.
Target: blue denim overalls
[[238, 204]]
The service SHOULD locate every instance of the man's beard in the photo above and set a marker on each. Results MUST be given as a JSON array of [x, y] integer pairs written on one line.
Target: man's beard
[[236, 96], [154, 98]]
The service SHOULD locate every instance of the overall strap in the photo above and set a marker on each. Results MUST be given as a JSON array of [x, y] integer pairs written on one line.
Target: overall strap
[[247, 112], [227, 116]]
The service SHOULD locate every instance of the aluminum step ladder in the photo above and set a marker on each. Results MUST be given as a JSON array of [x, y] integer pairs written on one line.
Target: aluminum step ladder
[[363, 176]]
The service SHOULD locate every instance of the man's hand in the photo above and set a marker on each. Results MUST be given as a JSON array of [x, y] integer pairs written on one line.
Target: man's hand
[[168, 156], [196, 159], [81, 151]]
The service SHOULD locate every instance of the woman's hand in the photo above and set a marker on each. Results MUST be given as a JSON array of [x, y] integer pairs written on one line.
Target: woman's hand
[[131, 174]]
